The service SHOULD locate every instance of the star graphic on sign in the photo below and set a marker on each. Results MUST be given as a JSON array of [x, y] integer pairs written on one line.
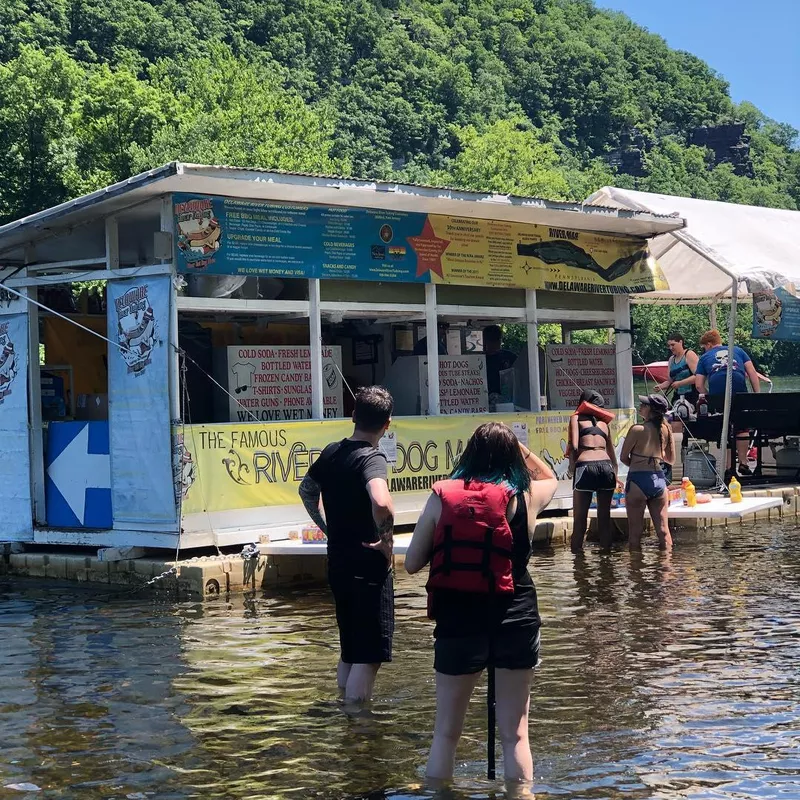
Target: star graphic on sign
[[429, 249], [527, 267]]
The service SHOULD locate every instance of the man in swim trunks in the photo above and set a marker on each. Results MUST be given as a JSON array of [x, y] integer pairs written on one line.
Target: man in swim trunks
[[351, 477]]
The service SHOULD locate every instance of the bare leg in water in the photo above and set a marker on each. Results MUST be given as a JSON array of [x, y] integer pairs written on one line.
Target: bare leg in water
[[580, 513], [604, 530], [659, 511], [635, 504], [513, 692], [452, 698]]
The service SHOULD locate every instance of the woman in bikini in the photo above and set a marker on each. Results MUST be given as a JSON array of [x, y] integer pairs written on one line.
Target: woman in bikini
[[595, 467], [646, 447]]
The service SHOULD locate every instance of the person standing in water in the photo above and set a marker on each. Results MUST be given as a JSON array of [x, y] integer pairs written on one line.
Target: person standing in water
[[475, 531], [647, 446], [595, 465], [351, 478]]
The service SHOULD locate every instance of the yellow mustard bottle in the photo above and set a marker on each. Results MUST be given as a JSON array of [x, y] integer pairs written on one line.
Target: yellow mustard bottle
[[691, 494], [735, 490]]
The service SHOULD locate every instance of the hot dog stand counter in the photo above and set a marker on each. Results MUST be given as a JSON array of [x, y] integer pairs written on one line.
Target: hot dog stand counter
[[236, 312]]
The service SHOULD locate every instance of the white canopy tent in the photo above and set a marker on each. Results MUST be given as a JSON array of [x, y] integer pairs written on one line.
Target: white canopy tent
[[720, 242], [726, 250]]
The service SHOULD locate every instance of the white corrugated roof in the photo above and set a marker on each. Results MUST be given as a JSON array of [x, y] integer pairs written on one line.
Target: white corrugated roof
[[325, 190]]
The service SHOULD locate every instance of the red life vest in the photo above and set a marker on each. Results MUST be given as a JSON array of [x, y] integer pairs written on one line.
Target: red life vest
[[473, 545]]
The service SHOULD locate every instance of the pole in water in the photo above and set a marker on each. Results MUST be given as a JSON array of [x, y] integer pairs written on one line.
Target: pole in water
[[490, 715]]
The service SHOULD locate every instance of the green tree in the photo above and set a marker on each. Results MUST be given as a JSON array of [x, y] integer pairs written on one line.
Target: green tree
[[509, 156], [116, 116], [37, 100], [226, 110]]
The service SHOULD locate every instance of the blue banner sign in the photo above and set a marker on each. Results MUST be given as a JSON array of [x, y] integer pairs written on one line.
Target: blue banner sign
[[142, 485], [230, 236], [15, 484], [240, 237], [776, 315]]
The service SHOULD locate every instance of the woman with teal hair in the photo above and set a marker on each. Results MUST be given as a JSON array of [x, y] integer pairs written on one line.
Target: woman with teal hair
[[475, 532]]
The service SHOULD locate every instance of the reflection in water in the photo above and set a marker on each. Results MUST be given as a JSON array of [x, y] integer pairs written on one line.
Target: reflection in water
[[663, 676]]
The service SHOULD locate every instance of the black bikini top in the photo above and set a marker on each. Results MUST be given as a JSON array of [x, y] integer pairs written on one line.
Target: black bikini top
[[590, 430]]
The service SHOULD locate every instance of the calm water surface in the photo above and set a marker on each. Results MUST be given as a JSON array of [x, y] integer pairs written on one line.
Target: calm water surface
[[663, 677]]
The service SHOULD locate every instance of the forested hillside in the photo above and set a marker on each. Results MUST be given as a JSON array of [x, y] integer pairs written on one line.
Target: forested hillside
[[544, 97]]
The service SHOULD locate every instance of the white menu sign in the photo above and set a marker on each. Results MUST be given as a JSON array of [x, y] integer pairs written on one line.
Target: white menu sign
[[572, 368], [273, 383], [462, 385]]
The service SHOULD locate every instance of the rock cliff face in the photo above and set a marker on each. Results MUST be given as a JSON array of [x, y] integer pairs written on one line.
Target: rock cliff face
[[629, 156], [729, 144]]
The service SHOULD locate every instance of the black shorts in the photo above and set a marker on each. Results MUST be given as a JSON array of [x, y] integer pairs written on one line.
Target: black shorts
[[595, 476], [511, 648], [365, 616]]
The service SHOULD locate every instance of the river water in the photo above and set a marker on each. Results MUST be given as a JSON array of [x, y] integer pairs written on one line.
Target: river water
[[663, 677]]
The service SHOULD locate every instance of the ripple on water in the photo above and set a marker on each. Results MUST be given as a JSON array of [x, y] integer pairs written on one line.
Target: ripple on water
[[661, 677]]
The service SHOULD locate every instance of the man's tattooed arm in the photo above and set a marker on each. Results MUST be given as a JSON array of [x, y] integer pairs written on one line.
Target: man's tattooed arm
[[309, 493], [383, 516]]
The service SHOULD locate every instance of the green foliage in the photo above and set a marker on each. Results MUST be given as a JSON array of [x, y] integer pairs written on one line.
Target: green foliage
[[225, 110]]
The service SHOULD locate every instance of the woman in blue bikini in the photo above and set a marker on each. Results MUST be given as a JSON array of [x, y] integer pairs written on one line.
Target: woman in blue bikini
[[646, 447]]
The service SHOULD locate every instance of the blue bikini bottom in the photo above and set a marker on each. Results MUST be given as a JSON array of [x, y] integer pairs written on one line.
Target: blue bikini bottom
[[652, 483]]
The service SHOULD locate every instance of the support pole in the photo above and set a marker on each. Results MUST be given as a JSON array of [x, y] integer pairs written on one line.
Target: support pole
[[315, 332], [712, 315], [623, 341], [174, 356], [35, 411], [726, 414], [531, 318], [112, 243], [432, 334]]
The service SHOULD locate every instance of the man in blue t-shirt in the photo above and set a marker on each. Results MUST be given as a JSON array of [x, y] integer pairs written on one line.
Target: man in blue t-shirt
[[711, 376]]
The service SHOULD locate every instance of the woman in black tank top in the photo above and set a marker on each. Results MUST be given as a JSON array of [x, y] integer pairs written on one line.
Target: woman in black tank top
[[474, 631]]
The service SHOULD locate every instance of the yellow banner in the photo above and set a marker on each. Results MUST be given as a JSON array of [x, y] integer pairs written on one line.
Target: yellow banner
[[507, 254], [233, 466]]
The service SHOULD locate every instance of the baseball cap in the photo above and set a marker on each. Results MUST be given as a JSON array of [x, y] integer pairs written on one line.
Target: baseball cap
[[593, 397], [656, 401]]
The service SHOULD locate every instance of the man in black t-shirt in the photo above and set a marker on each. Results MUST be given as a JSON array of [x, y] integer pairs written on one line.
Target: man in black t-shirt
[[497, 357], [351, 477]]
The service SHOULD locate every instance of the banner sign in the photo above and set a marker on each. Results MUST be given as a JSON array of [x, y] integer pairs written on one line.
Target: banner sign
[[16, 521], [776, 315], [249, 466], [142, 489], [572, 368], [274, 383], [228, 236]]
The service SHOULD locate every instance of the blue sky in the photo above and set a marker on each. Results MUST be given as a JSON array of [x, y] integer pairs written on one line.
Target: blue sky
[[754, 46]]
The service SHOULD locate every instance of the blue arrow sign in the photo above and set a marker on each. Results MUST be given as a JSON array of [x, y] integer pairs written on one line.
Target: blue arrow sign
[[78, 483]]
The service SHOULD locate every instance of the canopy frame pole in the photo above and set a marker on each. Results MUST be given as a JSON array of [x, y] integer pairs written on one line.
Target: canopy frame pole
[[623, 343], [712, 315], [432, 334], [166, 225], [726, 414], [315, 337], [532, 321]]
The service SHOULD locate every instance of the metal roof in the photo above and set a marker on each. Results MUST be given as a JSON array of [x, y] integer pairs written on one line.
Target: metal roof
[[260, 184]]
